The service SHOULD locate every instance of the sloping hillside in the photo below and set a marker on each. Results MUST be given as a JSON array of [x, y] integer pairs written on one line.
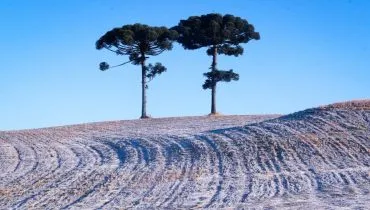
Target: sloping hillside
[[313, 159]]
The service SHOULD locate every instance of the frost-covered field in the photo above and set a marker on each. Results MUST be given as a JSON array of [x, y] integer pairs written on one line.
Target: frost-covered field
[[318, 158]]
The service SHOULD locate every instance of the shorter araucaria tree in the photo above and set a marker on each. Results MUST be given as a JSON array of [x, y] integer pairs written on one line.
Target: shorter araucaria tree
[[138, 41], [221, 35]]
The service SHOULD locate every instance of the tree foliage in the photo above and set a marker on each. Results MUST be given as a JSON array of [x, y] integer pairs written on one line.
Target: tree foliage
[[225, 33], [103, 66], [133, 40], [154, 70], [216, 76]]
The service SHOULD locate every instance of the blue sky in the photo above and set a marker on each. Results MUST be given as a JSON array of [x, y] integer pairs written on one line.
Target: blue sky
[[310, 53]]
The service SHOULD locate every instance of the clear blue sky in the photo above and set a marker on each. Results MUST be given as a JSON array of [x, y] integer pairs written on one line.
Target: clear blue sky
[[311, 52]]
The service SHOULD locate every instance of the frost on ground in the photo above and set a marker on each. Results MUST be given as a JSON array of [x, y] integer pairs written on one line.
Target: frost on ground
[[314, 159]]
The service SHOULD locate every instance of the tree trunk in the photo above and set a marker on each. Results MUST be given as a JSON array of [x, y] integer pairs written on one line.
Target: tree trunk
[[143, 88], [213, 106], [214, 68]]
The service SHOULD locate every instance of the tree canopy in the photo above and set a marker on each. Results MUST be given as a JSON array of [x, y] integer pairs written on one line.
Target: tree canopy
[[137, 40], [214, 30]]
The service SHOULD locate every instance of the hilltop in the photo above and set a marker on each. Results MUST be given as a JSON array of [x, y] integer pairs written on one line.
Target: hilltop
[[316, 158]]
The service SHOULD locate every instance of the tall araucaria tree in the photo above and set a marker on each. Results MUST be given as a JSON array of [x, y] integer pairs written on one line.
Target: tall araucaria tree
[[138, 41], [221, 35]]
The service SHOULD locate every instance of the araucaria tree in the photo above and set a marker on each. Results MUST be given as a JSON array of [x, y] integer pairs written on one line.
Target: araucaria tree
[[221, 35], [138, 41]]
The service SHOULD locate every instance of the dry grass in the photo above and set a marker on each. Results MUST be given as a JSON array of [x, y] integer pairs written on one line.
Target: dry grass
[[351, 105]]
